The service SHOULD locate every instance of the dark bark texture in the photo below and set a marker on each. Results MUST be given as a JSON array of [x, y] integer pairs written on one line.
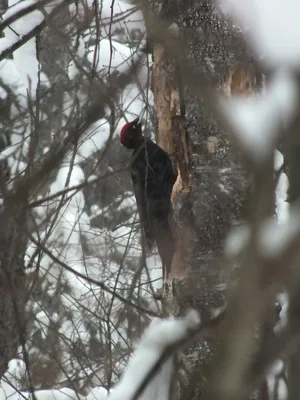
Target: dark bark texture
[[13, 240], [217, 187], [291, 151], [14, 288]]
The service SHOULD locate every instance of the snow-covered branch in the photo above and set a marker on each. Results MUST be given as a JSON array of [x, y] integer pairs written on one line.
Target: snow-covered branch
[[149, 372]]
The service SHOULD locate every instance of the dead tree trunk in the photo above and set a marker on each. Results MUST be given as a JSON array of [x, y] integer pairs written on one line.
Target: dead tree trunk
[[171, 135], [212, 194]]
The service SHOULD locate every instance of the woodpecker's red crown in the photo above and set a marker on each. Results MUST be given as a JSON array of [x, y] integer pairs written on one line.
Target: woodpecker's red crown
[[130, 133]]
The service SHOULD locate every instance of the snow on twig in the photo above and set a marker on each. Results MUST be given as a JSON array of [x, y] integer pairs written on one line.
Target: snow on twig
[[149, 356]]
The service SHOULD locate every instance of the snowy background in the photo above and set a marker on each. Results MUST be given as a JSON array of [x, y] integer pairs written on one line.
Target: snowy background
[[80, 336]]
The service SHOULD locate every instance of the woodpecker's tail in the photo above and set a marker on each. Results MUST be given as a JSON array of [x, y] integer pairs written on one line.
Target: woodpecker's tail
[[165, 243], [149, 237]]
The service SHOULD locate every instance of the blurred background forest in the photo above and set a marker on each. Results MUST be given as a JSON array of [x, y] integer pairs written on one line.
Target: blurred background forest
[[219, 92], [77, 335]]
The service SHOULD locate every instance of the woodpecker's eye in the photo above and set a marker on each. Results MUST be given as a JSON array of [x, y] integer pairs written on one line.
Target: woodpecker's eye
[[134, 126]]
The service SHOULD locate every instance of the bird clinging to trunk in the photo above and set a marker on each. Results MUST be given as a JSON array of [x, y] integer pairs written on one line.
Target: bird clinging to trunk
[[153, 179]]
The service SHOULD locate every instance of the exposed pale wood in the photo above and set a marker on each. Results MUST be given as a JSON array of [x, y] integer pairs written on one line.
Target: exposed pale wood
[[171, 133], [181, 145], [172, 136], [161, 87], [242, 81]]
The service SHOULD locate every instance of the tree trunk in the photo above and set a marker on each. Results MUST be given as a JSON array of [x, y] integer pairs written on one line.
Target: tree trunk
[[14, 238], [13, 241], [212, 189], [291, 150], [13, 290]]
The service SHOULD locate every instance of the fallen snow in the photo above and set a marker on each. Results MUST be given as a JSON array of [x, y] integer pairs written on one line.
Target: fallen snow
[[25, 57], [134, 19], [93, 140], [72, 222], [125, 15], [54, 394], [97, 393], [11, 381], [12, 78], [159, 335], [111, 56]]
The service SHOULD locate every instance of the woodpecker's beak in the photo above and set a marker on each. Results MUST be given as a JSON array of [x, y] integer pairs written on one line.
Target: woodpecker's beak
[[136, 122]]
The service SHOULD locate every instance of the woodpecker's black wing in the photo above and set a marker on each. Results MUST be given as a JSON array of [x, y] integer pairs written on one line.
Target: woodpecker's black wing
[[153, 180], [141, 201], [160, 178], [155, 170], [159, 184]]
